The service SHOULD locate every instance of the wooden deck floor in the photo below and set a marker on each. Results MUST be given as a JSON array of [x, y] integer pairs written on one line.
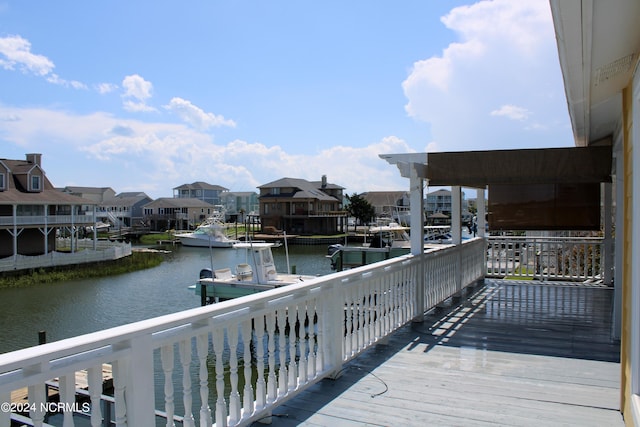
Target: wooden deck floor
[[510, 353]]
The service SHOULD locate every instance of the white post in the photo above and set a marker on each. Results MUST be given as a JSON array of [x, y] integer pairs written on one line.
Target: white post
[[333, 330], [608, 238], [619, 244], [456, 214], [140, 383], [416, 200], [95, 227], [46, 229], [15, 234], [482, 212]]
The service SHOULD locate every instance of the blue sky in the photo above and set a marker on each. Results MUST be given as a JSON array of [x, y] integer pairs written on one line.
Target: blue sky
[[149, 95]]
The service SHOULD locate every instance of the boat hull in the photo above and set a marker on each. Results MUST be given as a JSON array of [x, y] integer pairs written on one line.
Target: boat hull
[[345, 257], [205, 243], [224, 290]]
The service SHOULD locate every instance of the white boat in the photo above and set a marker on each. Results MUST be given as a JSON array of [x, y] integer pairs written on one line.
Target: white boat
[[256, 275], [440, 234], [209, 234], [384, 242]]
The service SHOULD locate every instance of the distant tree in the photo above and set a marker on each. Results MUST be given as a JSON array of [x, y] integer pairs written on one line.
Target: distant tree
[[360, 208]]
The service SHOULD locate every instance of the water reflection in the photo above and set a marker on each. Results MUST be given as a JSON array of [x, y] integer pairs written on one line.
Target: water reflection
[[77, 307]]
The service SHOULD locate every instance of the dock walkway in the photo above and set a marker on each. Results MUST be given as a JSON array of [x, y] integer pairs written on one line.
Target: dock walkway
[[516, 353]]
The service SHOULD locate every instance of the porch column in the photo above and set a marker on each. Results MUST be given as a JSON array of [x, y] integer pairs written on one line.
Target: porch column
[[481, 212], [608, 235], [46, 228], [414, 167], [73, 231], [95, 227], [619, 241], [456, 213], [416, 201], [15, 234]]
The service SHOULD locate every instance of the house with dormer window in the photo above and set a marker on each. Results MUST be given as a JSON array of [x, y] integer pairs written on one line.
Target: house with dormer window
[[33, 212]]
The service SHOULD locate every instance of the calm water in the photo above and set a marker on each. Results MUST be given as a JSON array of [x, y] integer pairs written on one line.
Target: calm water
[[77, 307]]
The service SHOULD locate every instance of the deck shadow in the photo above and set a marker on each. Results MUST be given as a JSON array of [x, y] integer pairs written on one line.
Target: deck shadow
[[561, 319], [533, 318]]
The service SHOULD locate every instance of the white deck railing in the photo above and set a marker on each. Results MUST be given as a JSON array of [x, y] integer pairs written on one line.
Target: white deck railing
[[231, 363], [557, 258], [50, 220], [105, 251]]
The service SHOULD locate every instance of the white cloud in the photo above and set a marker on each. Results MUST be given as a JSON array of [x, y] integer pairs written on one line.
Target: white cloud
[[504, 50], [17, 53], [195, 116], [137, 91], [130, 155], [104, 88], [511, 112]]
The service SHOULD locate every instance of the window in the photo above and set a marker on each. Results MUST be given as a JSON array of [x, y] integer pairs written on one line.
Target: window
[[35, 183], [2, 185]]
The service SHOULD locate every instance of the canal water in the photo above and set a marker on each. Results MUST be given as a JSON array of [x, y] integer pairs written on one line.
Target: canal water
[[78, 307]]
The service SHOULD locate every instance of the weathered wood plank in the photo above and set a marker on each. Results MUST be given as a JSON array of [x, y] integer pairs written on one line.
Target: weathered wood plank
[[522, 354]]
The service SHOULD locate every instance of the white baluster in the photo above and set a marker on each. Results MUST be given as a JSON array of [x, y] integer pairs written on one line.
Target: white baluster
[[360, 313], [348, 312], [378, 299], [202, 346], [234, 396], [293, 338], [303, 342], [282, 352], [119, 385], [319, 354], [312, 338], [94, 379], [388, 307], [248, 389], [37, 398], [67, 391], [272, 382], [221, 404], [366, 308], [261, 386], [166, 355], [185, 360]]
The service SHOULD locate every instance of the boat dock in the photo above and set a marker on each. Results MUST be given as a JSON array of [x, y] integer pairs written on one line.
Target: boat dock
[[20, 396]]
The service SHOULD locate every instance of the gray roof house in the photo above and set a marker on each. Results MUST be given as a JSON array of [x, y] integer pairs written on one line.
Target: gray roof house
[[124, 209], [298, 206], [200, 190], [168, 213]]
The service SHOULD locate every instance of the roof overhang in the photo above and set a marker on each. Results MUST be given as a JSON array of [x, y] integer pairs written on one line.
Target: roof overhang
[[598, 46]]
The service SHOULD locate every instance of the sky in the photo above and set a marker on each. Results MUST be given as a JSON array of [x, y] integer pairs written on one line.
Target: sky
[[152, 94]]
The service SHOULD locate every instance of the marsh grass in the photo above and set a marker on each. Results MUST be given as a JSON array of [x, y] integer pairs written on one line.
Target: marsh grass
[[137, 261]]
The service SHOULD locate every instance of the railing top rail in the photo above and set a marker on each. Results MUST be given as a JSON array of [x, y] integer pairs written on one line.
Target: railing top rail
[[120, 335], [547, 238]]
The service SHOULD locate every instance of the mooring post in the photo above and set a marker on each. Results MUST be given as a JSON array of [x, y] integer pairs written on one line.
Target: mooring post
[[42, 337], [203, 294]]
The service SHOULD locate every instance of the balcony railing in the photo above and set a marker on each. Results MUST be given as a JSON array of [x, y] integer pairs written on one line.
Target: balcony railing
[[233, 362], [546, 258], [51, 220]]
